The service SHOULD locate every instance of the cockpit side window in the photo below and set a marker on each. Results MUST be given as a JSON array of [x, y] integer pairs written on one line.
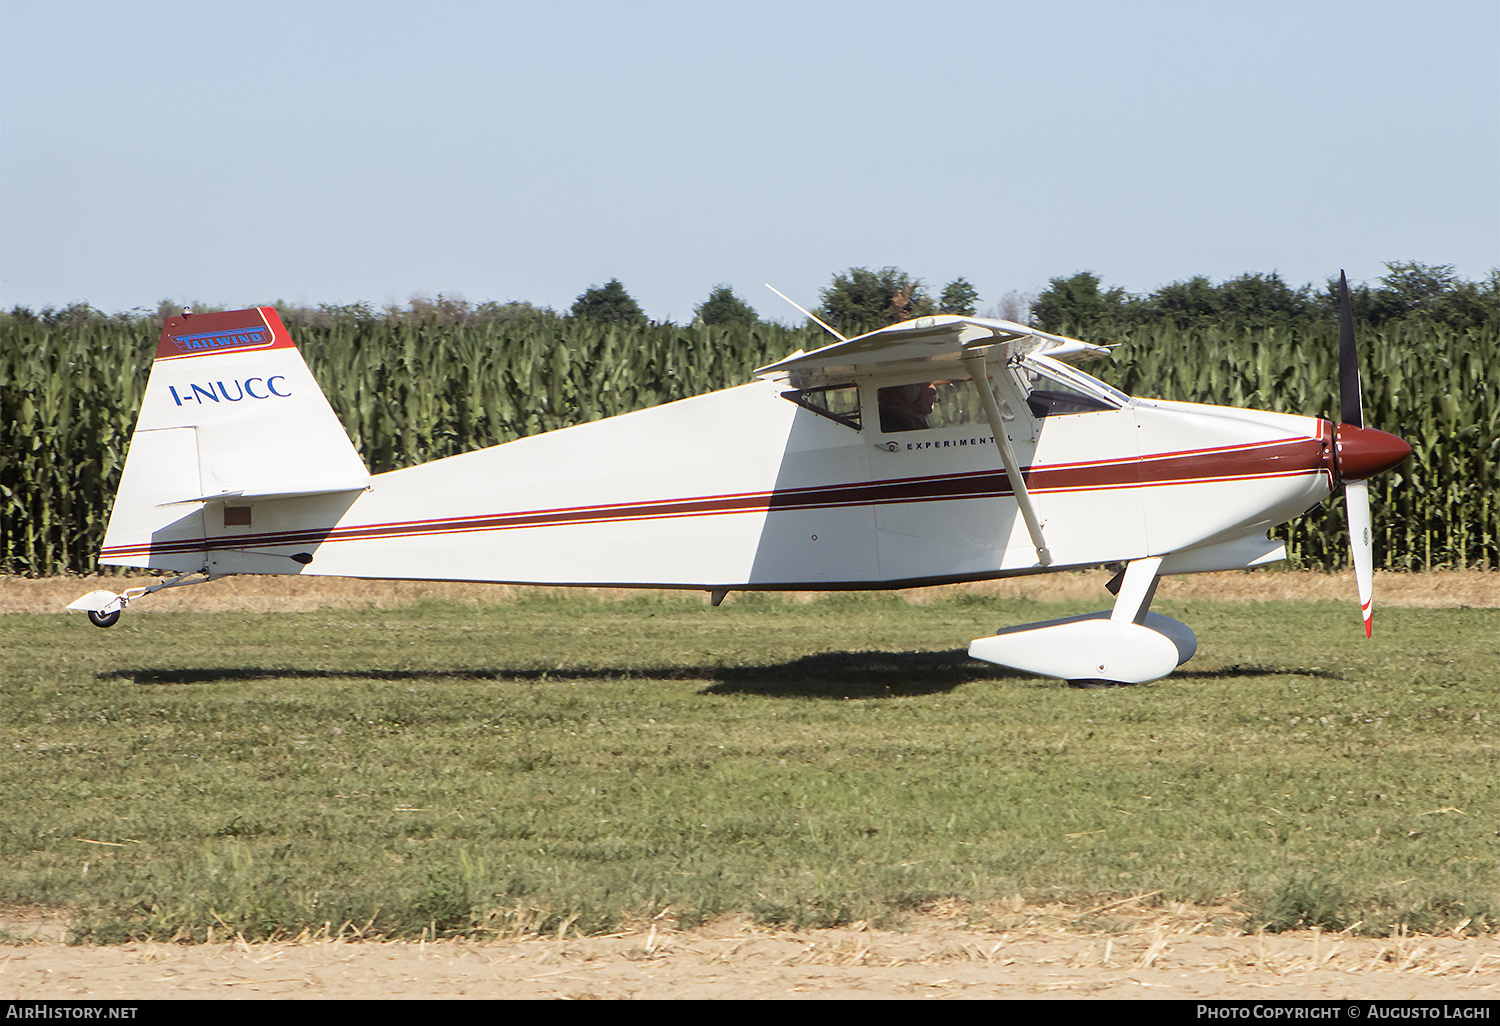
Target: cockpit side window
[[839, 403], [920, 405], [907, 407], [928, 404]]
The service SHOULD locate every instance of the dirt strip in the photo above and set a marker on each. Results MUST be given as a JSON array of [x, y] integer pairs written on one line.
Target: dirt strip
[[1441, 588], [1162, 956]]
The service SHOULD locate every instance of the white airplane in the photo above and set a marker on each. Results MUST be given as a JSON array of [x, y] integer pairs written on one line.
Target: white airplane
[[938, 450]]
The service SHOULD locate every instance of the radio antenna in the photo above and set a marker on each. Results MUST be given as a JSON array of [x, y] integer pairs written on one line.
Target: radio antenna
[[810, 317]]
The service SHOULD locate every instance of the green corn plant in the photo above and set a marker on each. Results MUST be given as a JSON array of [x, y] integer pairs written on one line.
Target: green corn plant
[[420, 384]]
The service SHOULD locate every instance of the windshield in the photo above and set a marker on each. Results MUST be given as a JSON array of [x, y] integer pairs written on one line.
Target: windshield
[[1054, 389]]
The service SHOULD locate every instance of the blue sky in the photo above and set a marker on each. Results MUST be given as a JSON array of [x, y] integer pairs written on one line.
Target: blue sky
[[333, 152]]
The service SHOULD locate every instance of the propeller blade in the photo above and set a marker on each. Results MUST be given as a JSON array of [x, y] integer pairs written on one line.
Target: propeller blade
[[1357, 502], [1350, 408], [1356, 493]]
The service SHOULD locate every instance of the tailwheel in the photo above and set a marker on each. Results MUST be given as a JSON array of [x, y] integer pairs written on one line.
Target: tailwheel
[[103, 619], [104, 607]]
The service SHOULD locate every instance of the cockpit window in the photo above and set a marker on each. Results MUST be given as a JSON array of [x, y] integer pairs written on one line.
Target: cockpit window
[[1054, 389], [1051, 388], [1059, 398], [907, 407], [839, 403], [929, 404]]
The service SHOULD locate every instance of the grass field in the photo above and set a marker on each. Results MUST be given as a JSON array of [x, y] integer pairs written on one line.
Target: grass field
[[555, 761]]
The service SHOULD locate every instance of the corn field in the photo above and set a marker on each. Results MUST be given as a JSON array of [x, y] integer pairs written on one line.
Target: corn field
[[414, 388], [1436, 387]]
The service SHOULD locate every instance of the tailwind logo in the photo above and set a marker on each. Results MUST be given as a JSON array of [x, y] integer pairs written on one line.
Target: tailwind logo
[[217, 341]]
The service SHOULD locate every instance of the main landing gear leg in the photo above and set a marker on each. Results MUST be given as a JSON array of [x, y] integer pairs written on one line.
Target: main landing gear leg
[[1133, 587], [1126, 645]]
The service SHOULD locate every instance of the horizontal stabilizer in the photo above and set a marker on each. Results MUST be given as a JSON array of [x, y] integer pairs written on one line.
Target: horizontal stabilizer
[[240, 495]]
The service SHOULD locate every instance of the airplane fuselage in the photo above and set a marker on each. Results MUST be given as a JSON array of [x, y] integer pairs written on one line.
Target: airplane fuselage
[[745, 489]]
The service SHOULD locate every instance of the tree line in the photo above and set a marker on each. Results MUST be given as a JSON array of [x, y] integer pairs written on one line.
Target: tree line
[[858, 300], [863, 299], [1425, 292]]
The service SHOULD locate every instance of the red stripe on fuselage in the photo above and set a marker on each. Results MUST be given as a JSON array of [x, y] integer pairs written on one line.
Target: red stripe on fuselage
[[1289, 458]]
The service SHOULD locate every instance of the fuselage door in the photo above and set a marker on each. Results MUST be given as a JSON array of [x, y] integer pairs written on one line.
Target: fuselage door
[[947, 509]]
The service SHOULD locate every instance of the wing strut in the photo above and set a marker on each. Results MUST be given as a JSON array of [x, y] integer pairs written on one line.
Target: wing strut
[[975, 363]]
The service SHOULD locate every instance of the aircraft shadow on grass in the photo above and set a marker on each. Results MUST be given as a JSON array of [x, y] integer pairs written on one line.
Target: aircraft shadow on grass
[[830, 675], [834, 675]]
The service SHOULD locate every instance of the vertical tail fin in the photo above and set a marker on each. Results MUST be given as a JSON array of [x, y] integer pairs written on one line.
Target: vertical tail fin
[[231, 415]]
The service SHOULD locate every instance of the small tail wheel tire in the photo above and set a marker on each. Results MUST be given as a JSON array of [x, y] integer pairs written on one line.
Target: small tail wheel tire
[[104, 619]]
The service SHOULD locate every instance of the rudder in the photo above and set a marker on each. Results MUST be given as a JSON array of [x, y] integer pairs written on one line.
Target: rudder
[[231, 417]]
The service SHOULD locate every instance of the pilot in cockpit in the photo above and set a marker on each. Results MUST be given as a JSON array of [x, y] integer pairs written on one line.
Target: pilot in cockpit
[[906, 407]]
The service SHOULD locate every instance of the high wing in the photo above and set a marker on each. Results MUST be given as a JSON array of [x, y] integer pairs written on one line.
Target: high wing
[[944, 338]]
